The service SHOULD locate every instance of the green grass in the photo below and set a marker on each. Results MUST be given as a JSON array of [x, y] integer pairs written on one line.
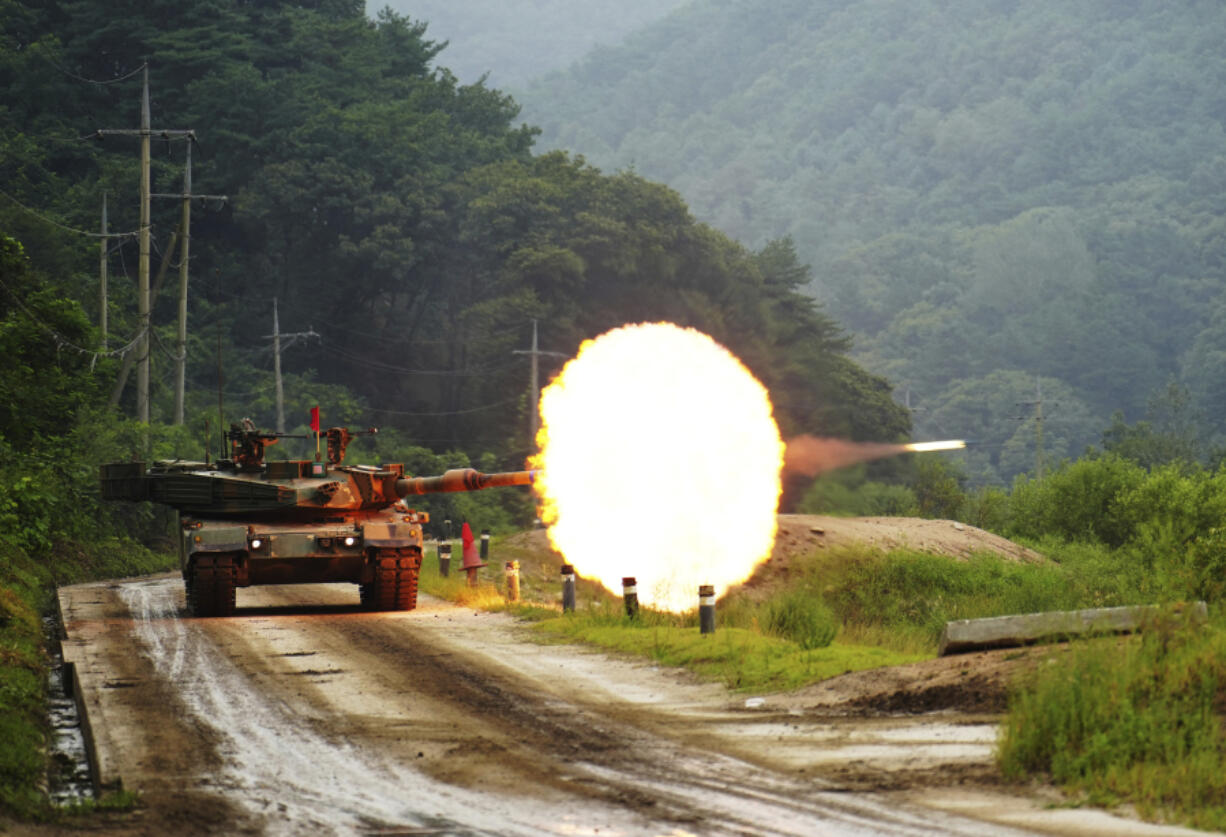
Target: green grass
[[741, 658], [120, 800], [1136, 719]]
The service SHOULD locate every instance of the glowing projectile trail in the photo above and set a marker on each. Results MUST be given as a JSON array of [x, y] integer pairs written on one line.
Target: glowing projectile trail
[[924, 447], [811, 455]]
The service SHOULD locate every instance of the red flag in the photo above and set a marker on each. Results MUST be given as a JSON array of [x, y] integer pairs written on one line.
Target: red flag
[[315, 418]]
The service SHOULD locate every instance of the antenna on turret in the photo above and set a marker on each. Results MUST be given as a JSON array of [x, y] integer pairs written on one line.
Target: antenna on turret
[[221, 415]]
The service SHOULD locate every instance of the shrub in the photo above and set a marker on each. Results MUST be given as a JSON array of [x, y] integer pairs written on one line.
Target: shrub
[[987, 508], [938, 489], [849, 493], [802, 618], [1078, 501]]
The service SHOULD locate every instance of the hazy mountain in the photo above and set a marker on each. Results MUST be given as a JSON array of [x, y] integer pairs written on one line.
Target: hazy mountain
[[999, 198], [514, 41]]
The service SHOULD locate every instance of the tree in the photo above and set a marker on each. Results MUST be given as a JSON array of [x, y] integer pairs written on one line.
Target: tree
[[44, 337], [1171, 433]]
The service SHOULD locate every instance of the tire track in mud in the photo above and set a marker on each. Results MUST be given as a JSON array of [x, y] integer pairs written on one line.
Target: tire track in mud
[[298, 775], [596, 750], [273, 764]]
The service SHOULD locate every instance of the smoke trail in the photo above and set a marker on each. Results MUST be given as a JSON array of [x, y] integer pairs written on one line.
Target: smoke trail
[[812, 455]]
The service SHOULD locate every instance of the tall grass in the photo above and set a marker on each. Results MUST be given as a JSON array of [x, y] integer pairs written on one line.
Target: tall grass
[[1137, 719], [805, 620], [902, 599]]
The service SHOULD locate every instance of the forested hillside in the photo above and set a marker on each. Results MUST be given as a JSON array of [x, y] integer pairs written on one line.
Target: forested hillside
[[1006, 202], [402, 226], [515, 41], [399, 215]]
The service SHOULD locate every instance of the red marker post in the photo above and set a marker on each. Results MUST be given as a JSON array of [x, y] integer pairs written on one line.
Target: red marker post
[[472, 561]]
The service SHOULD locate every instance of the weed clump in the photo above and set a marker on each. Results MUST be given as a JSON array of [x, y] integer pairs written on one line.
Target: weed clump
[[804, 619]]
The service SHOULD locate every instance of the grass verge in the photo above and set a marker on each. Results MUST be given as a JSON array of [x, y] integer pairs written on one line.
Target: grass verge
[[902, 599], [781, 644], [1136, 720], [743, 659]]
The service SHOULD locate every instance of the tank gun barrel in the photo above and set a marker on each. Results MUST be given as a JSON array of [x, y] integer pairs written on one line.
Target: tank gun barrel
[[462, 479]]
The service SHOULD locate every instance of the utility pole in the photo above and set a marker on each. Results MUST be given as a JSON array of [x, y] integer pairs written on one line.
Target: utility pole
[[907, 402], [184, 243], [1037, 403], [276, 360], [143, 296], [143, 306], [276, 367], [129, 359], [185, 227], [103, 244], [1038, 428], [534, 378]]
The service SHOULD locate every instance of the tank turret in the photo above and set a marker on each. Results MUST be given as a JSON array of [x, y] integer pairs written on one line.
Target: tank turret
[[245, 521]]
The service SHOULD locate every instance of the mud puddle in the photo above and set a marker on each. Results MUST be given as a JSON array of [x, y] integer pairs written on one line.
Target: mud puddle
[[68, 774]]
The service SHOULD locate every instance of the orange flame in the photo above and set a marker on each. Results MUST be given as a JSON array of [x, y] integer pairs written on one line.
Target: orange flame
[[660, 459]]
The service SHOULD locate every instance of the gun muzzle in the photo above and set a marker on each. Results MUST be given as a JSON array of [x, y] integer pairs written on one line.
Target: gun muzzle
[[461, 479]]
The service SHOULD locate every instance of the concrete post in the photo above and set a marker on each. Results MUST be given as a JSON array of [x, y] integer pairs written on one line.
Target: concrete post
[[630, 595], [568, 588], [444, 559], [512, 574], [706, 609]]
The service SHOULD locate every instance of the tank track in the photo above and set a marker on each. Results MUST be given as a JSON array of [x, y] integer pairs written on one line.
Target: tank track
[[395, 583], [210, 585]]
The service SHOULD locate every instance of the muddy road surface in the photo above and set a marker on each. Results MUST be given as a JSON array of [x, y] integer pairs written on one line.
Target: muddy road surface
[[305, 715]]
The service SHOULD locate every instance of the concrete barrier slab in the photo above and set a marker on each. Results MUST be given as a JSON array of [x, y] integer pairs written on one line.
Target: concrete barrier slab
[[1025, 629]]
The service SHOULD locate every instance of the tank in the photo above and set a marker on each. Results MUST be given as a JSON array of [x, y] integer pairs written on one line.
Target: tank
[[245, 521]]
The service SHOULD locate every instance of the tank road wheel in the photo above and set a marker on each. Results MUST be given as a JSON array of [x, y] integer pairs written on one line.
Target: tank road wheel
[[210, 588], [395, 583]]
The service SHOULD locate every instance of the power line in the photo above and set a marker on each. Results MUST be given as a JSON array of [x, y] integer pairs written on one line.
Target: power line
[[62, 342], [484, 337], [56, 223], [197, 387], [387, 367], [446, 412], [76, 77]]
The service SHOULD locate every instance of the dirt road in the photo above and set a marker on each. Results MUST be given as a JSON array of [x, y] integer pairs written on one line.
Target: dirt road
[[304, 715]]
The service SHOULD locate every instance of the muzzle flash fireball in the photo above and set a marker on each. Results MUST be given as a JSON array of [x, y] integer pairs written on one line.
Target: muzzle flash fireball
[[659, 459]]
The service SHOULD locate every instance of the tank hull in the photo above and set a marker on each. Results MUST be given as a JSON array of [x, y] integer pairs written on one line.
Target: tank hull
[[380, 553]]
